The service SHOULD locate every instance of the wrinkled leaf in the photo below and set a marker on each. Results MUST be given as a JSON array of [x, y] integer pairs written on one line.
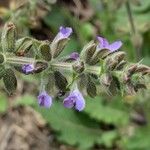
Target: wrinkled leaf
[[74, 128], [10, 81], [2, 71]]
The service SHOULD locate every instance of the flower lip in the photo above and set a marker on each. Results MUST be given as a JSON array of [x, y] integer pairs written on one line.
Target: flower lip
[[44, 99], [75, 99], [64, 32], [104, 44], [74, 55], [27, 68]]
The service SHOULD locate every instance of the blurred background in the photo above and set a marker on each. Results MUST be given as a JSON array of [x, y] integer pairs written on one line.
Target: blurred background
[[108, 122]]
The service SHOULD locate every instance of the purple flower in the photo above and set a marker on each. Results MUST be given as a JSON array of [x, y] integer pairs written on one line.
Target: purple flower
[[44, 99], [74, 55], [64, 32], [75, 99], [104, 44], [28, 68]]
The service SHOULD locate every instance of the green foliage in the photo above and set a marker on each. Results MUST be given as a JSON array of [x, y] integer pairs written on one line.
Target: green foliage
[[107, 112], [140, 140], [3, 103], [76, 128], [85, 129], [25, 100]]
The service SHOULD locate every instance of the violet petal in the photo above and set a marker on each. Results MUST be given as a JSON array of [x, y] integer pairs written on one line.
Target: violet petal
[[115, 46], [103, 43], [64, 32], [44, 100], [74, 55], [27, 68]]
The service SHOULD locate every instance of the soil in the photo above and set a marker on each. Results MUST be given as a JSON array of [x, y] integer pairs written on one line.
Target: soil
[[24, 129]]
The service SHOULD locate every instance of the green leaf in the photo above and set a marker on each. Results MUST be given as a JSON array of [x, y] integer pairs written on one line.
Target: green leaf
[[106, 113], [3, 103], [10, 81], [87, 30], [141, 21], [75, 128], [26, 100], [139, 141]]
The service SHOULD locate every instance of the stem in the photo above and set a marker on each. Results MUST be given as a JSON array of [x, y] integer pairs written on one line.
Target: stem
[[133, 29], [62, 66], [68, 66], [93, 69], [20, 60], [131, 20]]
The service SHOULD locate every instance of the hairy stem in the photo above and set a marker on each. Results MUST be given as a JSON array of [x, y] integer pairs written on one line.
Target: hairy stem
[[20, 60], [93, 69]]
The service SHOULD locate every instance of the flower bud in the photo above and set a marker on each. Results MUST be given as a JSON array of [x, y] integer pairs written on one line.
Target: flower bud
[[142, 69], [78, 67], [132, 69], [60, 41], [106, 79], [87, 52], [110, 63], [44, 50], [23, 45]]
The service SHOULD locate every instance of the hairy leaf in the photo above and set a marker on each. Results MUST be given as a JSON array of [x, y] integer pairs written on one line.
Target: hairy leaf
[[76, 128], [106, 113], [10, 81]]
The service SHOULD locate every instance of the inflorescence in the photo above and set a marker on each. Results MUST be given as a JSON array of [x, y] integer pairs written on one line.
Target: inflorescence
[[99, 64]]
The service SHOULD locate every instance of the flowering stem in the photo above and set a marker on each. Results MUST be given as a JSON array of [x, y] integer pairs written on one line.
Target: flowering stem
[[20, 60], [93, 69], [62, 66]]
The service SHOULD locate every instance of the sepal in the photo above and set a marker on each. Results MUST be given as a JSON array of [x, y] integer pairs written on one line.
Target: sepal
[[87, 52], [44, 50], [23, 45], [57, 46], [8, 38]]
